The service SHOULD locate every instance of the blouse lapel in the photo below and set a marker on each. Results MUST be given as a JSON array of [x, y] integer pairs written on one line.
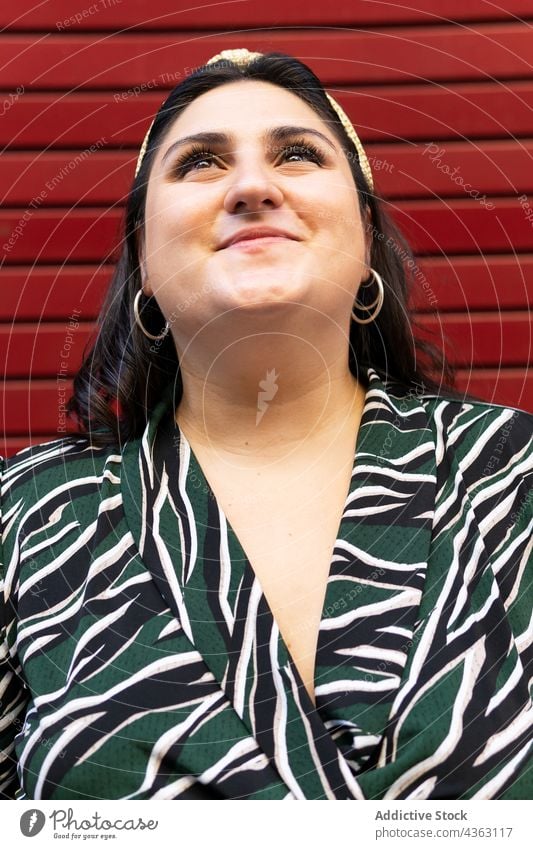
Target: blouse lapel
[[377, 574], [370, 607]]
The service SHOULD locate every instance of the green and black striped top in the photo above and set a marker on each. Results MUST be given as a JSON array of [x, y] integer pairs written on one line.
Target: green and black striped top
[[140, 659]]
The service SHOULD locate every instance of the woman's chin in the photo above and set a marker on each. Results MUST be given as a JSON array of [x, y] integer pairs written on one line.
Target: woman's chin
[[263, 296]]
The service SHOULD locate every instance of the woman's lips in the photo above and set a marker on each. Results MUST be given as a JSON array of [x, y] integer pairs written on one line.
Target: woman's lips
[[258, 243]]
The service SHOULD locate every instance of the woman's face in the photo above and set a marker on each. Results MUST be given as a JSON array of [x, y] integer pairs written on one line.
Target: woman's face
[[258, 174]]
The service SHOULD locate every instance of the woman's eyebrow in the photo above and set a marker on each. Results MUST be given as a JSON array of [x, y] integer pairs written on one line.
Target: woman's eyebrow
[[271, 135]]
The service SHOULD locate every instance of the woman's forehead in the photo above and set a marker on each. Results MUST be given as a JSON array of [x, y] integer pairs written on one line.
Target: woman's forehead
[[244, 108]]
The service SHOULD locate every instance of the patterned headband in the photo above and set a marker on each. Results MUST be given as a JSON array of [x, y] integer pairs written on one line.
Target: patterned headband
[[241, 57]]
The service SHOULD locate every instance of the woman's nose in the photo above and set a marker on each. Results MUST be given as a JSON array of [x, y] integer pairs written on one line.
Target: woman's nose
[[252, 186]]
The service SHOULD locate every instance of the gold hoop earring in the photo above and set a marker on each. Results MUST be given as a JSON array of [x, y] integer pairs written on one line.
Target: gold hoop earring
[[141, 325], [377, 303]]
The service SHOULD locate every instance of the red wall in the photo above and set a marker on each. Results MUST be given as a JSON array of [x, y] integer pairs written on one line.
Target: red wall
[[442, 100]]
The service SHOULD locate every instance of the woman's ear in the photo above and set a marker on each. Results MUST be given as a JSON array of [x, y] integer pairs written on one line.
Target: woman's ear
[[147, 289], [369, 235]]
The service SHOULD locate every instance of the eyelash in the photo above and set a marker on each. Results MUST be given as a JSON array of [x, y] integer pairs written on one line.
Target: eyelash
[[199, 152]]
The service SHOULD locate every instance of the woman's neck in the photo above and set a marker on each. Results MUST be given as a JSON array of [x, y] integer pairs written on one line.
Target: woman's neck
[[264, 411]]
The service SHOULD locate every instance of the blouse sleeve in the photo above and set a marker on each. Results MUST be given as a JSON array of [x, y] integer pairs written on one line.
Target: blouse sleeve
[[502, 494], [12, 692], [488, 452]]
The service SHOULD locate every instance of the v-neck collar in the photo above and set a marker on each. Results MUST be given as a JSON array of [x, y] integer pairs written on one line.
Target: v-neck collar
[[370, 607]]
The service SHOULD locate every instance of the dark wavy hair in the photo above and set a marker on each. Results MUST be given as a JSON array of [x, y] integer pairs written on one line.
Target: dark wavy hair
[[124, 374]]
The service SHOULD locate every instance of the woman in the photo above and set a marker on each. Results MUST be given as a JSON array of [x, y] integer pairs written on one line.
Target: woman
[[280, 560]]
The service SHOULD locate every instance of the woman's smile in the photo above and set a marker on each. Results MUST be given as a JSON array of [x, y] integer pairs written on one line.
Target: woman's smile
[[258, 243]]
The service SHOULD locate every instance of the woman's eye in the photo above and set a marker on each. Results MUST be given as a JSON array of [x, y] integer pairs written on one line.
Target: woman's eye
[[190, 160], [306, 150]]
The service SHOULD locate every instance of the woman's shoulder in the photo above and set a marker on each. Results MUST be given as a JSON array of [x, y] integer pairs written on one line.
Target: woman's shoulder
[[450, 407], [490, 445], [64, 462], [469, 422], [483, 437], [469, 407]]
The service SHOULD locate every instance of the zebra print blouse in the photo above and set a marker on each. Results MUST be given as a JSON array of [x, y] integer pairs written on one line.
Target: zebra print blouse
[[140, 660]]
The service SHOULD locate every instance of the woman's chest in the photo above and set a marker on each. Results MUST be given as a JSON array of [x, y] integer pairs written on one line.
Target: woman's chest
[[288, 536]]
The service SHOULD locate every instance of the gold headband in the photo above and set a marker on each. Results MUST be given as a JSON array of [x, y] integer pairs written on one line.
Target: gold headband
[[241, 57]]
